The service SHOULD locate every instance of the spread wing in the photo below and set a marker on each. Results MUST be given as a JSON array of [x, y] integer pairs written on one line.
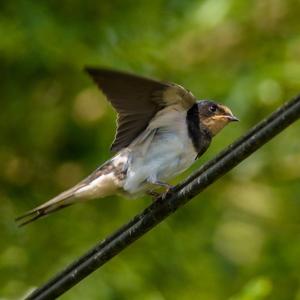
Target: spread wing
[[136, 100]]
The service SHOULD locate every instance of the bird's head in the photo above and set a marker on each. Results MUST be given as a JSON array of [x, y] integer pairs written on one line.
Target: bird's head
[[214, 116]]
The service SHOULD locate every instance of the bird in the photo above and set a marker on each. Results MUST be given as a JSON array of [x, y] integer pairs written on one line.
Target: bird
[[161, 130]]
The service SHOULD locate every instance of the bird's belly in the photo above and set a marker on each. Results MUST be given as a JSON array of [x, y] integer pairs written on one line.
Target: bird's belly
[[161, 162], [177, 165]]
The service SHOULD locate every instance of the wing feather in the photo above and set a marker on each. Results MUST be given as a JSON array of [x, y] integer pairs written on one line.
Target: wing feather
[[136, 100]]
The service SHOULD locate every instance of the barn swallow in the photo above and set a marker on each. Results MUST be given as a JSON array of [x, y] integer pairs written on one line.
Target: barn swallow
[[161, 130]]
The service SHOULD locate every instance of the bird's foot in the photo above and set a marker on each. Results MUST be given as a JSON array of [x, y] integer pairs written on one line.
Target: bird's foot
[[168, 187], [168, 190], [153, 194]]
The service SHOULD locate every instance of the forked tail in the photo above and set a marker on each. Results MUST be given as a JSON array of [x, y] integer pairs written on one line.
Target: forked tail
[[64, 199], [104, 181]]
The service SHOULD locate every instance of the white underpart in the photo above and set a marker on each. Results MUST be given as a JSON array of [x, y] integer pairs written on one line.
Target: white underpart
[[170, 152], [103, 186]]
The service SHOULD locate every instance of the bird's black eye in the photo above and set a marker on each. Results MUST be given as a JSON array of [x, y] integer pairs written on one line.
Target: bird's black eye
[[213, 108]]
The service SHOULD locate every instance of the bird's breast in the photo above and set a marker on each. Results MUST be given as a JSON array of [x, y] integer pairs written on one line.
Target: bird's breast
[[169, 153]]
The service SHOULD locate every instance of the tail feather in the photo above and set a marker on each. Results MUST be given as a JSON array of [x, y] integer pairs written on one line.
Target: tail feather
[[97, 185], [63, 200]]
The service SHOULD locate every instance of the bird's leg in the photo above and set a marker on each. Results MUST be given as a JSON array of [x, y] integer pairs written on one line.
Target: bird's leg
[[168, 187], [163, 184]]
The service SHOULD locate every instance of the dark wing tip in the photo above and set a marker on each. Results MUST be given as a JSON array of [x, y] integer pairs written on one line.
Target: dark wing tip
[[92, 70], [104, 71], [87, 69], [99, 71]]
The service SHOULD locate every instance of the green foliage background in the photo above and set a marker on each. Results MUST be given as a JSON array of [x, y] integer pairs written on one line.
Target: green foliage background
[[238, 240]]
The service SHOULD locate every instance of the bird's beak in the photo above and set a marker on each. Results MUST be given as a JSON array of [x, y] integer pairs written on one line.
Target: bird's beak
[[228, 114], [232, 118]]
